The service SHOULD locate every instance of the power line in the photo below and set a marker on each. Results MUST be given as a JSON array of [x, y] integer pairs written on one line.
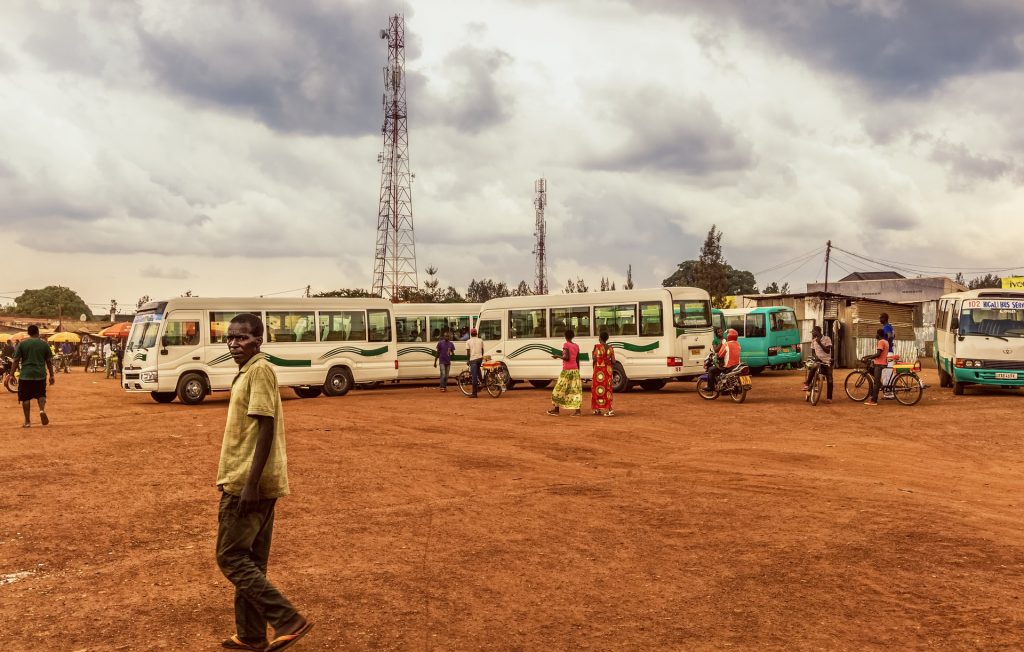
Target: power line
[[885, 264], [270, 294], [791, 260]]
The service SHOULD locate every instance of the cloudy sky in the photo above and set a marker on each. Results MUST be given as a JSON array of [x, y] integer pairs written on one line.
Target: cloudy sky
[[229, 147]]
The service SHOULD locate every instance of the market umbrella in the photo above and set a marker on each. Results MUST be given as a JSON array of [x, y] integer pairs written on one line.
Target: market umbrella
[[17, 337], [120, 329], [65, 336]]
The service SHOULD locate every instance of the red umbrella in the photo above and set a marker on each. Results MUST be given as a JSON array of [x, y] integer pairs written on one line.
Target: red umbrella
[[120, 329]]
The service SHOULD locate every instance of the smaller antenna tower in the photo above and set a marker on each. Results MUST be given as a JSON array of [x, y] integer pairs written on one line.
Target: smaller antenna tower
[[540, 201]]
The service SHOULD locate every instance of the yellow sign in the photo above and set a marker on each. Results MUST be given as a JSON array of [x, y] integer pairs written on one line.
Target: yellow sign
[[1013, 283]]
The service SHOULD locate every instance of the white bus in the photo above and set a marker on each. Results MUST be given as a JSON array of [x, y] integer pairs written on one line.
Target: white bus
[[658, 334], [177, 348], [418, 327], [979, 339]]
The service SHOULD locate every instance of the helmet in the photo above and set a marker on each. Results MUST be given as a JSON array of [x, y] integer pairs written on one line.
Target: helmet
[[472, 331], [732, 335]]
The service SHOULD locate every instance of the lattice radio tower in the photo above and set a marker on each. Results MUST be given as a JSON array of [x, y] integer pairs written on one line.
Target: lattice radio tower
[[540, 200], [394, 268]]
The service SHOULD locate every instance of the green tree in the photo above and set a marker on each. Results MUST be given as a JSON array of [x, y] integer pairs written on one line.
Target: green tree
[[629, 279], [712, 272], [739, 281], [143, 300], [51, 301], [484, 289], [451, 295], [432, 285], [986, 281], [522, 290], [346, 293]]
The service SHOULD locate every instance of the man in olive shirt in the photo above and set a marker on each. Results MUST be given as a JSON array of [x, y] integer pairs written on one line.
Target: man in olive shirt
[[34, 358], [252, 475]]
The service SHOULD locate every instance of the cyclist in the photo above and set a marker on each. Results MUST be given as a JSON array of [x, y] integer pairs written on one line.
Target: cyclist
[[890, 337], [878, 360], [728, 355], [821, 348]]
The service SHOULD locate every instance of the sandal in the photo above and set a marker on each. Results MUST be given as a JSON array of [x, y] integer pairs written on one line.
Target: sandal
[[288, 640], [610, 413], [553, 412], [235, 643], [577, 413], [597, 413]]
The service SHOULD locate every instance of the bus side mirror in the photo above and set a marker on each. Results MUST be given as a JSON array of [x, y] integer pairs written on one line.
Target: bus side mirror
[[954, 324]]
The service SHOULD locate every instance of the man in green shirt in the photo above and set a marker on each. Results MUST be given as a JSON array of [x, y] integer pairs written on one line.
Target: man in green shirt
[[33, 356], [252, 475]]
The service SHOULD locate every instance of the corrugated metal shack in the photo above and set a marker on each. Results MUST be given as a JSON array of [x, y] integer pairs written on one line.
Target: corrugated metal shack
[[851, 322]]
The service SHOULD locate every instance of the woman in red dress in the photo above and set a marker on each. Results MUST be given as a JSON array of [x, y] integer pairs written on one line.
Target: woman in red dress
[[601, 384]]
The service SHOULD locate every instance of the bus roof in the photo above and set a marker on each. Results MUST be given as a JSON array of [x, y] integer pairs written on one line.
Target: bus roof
[[985, 293], [595, 298], [261, 303]]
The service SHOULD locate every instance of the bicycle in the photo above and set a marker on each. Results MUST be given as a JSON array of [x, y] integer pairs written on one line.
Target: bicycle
[[494, 379], [816, 384], [904, 384]]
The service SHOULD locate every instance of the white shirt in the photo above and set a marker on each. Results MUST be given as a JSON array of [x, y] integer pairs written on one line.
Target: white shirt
[[476, 348]]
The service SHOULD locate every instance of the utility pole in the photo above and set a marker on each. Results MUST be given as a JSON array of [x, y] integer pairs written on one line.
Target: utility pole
[[307, 291], [828, 253], [394, 266]]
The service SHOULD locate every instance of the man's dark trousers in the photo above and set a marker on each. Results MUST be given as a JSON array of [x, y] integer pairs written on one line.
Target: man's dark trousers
[[243, 549], [474, 372]]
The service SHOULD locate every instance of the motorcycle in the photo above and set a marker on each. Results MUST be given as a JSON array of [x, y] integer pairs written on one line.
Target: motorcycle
[[735, 383], [10, 381]]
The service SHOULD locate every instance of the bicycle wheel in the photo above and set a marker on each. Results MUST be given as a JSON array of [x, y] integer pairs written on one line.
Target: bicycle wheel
[[465, 381], [492, 384], [907, 388], [858, 385], [816, 387]]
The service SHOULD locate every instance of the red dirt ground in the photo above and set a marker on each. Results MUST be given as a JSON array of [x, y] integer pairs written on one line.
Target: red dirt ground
[[426, 521]]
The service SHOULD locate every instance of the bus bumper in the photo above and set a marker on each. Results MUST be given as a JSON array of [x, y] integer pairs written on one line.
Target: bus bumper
[[782, 359], [995, 377], [140, 381]]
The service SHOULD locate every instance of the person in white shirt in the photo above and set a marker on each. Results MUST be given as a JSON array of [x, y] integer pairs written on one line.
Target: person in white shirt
[[821, 347], [475, 351]]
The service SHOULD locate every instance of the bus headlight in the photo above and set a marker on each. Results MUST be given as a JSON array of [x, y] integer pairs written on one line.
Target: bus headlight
[[148, 376]]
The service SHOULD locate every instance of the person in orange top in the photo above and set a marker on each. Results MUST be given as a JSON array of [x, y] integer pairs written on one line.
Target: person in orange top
[[879, 360], [728, 354]]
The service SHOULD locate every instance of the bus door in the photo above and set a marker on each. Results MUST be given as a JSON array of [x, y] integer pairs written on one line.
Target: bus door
[[180, 346]]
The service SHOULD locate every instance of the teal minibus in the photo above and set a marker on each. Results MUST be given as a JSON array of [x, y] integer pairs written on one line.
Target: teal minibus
[[769, 336]]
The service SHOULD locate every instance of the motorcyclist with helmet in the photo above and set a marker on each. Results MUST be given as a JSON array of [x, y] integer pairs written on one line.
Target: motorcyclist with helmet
[[728, 356]]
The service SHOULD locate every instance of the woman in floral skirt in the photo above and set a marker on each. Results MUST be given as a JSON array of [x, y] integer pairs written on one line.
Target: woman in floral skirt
[[568, 391], [601, 384]]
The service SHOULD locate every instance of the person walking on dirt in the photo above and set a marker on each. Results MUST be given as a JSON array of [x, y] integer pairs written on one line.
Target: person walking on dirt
[[821, 348], [33, 356], [568, 391], [252, 475], [445, 349], [890, 337], [475, 352], [603, 357], [879, 359]]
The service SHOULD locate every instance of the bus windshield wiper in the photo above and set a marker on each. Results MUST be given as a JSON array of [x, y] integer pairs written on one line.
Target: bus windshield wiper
[[988, 335]]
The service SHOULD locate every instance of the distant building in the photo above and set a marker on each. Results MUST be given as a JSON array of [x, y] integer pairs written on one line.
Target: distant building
[[890, 286]]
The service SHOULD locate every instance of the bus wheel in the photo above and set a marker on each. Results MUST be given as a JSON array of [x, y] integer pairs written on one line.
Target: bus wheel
[[958, 388], [308, 392], [339, 381], [653, 384], [163, 397], [192, 389], [756, 371], [945, 380], [620, 382], [541, 384]]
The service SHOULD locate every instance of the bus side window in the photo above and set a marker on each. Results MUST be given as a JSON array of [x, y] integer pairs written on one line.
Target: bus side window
[[755, 325]]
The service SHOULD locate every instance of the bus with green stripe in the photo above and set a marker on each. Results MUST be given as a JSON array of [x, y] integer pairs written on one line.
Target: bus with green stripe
[[178, 348], [418, 329], [979, 339], [658, 334]]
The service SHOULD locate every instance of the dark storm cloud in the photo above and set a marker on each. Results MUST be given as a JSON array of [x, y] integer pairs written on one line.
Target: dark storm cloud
[[895, 48], [474, 100], [967, 167], [306, 67], [686, 137]]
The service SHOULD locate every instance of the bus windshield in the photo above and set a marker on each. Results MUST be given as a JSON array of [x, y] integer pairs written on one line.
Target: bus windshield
[[143, 335], [1002, 318], [692, 313]]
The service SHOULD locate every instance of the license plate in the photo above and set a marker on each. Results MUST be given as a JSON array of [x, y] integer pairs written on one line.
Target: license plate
[[694, 351], [745, 381], [1006, 376], [785, 349]]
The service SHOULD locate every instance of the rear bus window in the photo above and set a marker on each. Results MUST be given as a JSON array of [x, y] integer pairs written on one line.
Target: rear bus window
[[784, 320], [219, 322], [380, 325], [578, 319], [290, 327], [343, 326], [616, 320], [693, 314]]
